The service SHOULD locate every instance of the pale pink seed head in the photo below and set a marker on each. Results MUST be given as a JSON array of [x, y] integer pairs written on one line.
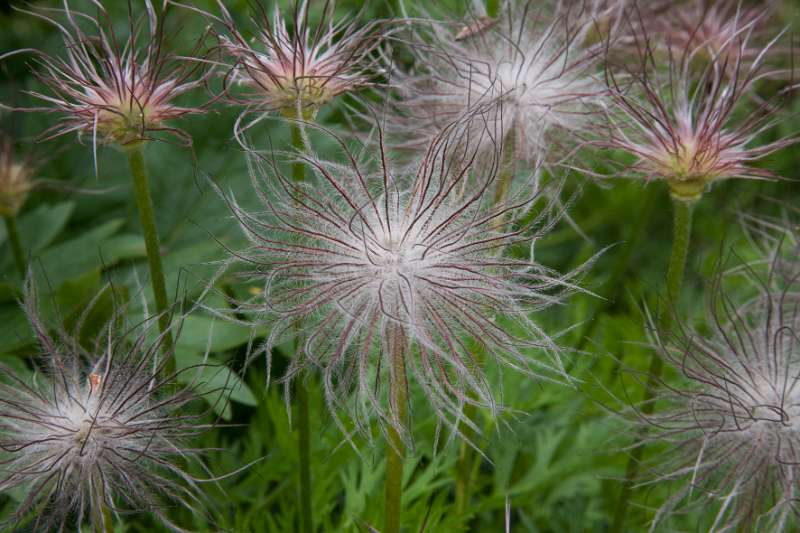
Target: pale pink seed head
[[296, 71], [718, 31], [688, 128], [112, 90]]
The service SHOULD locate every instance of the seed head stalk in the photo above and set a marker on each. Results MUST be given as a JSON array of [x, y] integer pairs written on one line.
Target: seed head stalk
[[301, 390], [16, 244], [682, 230], [398, 389], [144, 203]]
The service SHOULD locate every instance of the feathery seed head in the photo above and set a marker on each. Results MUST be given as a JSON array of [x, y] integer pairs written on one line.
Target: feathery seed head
[[718, 31], [96, 432], [111, 91], [529, 68], [297, 70], [15, 179], [365, 251], [733, 422], [685, 128]]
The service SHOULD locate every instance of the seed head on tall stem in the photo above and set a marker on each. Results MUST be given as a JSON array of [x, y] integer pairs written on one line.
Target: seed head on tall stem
[[688, 129], [112, 90], [362, 251]]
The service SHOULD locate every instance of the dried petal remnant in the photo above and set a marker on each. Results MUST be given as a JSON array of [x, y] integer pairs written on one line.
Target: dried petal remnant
[[15, 179]]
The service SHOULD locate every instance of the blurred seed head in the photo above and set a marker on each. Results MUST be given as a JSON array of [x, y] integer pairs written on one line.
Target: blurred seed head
[[731, 425], [692, 129], [364, 250], [15, 178], [777, 238], [530, 68], [109, 89], [97, 432], [294, 67], [721, 33]]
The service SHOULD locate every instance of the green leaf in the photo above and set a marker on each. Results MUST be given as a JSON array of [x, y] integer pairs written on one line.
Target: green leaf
[[76, 257], [41, 226], [218, 384], [122, 248], [201, 334]]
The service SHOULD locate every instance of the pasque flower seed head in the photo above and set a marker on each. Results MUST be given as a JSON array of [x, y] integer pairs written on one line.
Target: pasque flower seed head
[[99, 431], [108, 89], [686, 128], [364, 250]]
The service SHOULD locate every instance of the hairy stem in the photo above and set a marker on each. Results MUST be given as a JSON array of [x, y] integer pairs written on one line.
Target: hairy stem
[[682, 230], [396, 446], [301, 392], [144, 203], [16, 244], [466, 462]]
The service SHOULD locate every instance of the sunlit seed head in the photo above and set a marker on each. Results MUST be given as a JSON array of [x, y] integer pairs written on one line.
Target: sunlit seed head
[[364, 250]]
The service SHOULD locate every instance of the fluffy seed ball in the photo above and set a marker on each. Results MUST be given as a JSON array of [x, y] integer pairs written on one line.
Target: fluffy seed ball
[[732, 424], [363, 251], [97, 432]]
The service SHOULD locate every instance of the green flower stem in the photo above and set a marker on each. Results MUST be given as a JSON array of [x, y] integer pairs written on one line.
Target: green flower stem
[[304, 449], [16, 244], [464, 466], [301, 392], [396, 446], [144, 202], [682, 224], [492, 8]]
